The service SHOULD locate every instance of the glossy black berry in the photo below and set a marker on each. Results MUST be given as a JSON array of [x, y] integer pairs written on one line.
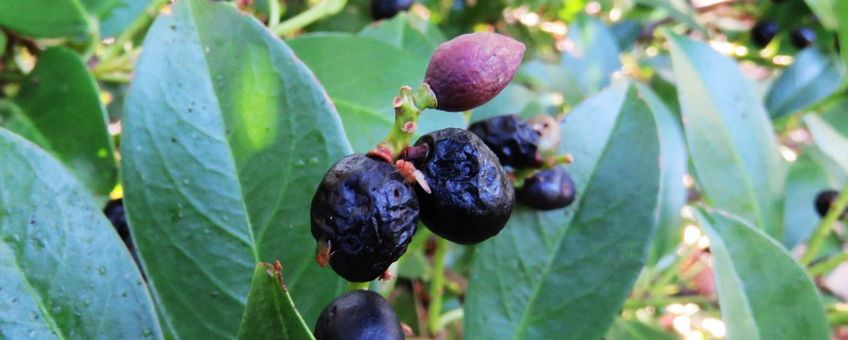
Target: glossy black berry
[[384, 9], [114, 211], [824, 200], [471, 197], [763, 32], [802, 37], [547, 189], [358, 315], [367, 214], [514, 141]]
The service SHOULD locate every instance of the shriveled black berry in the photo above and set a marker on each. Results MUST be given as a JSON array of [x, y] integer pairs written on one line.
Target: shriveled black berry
[[547, 189], [802, 37], [471, 197], [763, 32], [824, 200], [514, 141], [358, 315], [384, 9], [114, 211], [367, 214]]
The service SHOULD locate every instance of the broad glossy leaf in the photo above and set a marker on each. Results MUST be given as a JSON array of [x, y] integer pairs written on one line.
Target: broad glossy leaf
[[547, 275], [64, 272], [62, 100], [46, 18], [808, 175], [364, 79], [762, 291], [270, 312], [399, 32], [593, 55], [635, 330], [829, 140], [731, 143], [813, 77], [226, 136], [672, 195]]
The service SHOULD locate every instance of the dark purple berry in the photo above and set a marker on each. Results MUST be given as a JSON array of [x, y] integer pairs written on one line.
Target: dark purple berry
[[802, 37], [763, 32], [824, 200], [367, 214], [547, 189], [471, 197], [471, 69], [358, 315], [384, 9], [114, 211], [514, 141]]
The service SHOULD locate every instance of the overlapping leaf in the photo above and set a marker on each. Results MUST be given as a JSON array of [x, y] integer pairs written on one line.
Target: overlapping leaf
[[270, 312], [813, 77]]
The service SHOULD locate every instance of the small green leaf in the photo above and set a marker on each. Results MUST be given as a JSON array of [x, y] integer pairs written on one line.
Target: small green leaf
[[762, 291], [551, 276], [115, 15], [829, 140], [826, 12], [14, 119], [62, 100], [363, 80], [680, 10], [813, 77], [594, 55], [399, 32], [46, 18], [64, 272], [226, 136], [731, 143], [270, 312]]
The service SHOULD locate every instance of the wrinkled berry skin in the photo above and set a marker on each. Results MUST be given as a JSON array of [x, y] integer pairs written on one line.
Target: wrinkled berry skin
[[514, 141], [547, 189], [367, 213], [763, 32], [471, 69], [471, 197], [384, 9], [358, 315], [802, 37], [824, 200]]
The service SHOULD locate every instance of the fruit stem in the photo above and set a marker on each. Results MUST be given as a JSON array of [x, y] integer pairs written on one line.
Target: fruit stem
[[828, 265], [408, 106], [437, 287], [351, 286], [321, 10], [825, 227]]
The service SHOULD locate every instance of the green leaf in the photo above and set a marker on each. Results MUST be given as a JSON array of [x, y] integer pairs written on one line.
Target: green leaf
[[826, 12], [46, 18], [226, 136], [731, 143], [514, 99], [64, 272], [672, 196], [680, 10], [829, 140], [808, 175], [635, 330], [362, 82], [594, 55], [14, 119], [270, 312], [813, 77], [115, 15], [760, 287], [548, 276], [842, 29], [62, 100], [399, 32]]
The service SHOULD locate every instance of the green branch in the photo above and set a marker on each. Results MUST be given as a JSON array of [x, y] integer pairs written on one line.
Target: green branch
[[828, 265], [321, 10], [437, 287], [825, 227]]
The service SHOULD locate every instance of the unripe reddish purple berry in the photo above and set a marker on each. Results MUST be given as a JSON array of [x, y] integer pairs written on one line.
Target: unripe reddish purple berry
[[471, 69]]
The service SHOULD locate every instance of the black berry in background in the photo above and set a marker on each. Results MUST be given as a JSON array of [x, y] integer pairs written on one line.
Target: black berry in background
[[547, 189], [367, 214], [802, 37], [114, 211], [824, 200], [471, 69], [358, 315], [513, 140], [384, 9], [471, 197], [763, 32]]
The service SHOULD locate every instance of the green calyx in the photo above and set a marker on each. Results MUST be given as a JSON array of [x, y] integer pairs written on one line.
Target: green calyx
[[408, 106]]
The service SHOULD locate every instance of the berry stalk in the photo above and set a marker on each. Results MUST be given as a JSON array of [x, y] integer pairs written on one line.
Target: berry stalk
[[437, 286], [408, 106], [825, 227]]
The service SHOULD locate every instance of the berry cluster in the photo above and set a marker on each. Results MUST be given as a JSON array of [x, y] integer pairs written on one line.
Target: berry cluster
[[800, 37]]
